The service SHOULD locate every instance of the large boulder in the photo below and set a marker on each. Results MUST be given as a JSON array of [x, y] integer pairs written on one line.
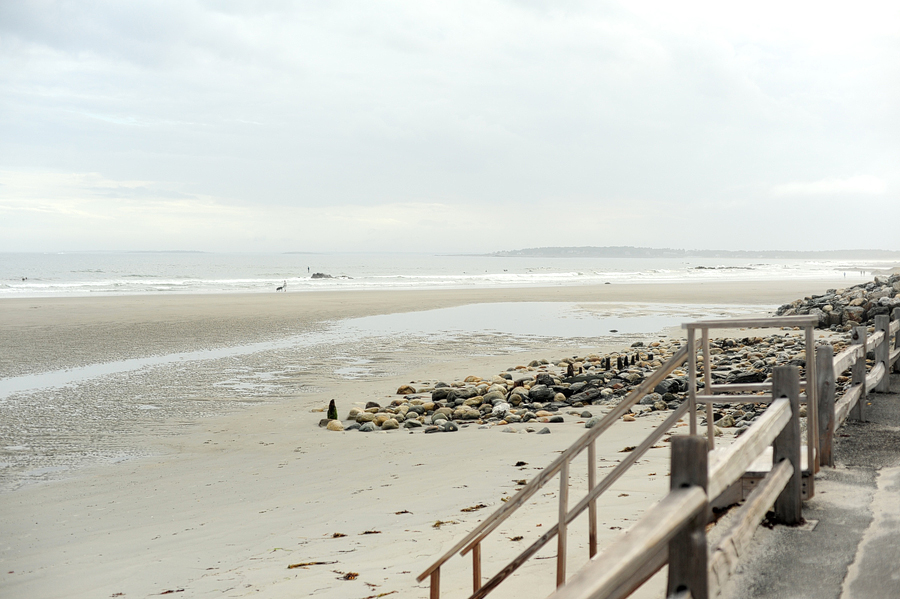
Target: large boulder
[[443, 394], [650, 399], [746, 376], [820, 315], [853, 314], [465, 392], [494, 397], [632, 377], [587, 396], [544, 379], [541, 393], [668, 386], [835, 317]]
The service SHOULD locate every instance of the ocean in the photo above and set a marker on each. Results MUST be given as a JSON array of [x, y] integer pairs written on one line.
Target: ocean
[[143, 273]]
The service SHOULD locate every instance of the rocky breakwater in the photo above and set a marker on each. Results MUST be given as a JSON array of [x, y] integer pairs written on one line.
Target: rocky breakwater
[[843, 309], [542, 392], [525, 398]]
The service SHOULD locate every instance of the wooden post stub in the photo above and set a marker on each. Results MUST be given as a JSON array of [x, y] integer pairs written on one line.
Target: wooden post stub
[[825, 384], [687, 550], [786, 383], [883, 352], [858, 374], [896, 316]]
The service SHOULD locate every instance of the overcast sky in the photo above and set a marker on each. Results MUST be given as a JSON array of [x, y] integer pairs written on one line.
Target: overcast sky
[[448, 126]]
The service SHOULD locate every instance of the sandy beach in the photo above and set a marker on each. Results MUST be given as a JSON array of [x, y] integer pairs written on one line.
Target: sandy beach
[[210, 477]]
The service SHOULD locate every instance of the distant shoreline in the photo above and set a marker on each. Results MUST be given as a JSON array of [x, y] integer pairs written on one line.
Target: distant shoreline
[[645, 252]]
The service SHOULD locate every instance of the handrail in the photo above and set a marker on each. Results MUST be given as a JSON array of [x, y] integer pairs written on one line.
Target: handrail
[[875, 338], [620, 469], [634, 550], [843, 406], [633, 456], [875, 375], [723, 559], [495, 519], [767, 322], [730, 464], [611, 417], [645, 548], [677, 524], [847, 358], [725, 399], [739, 387], [711, 391]]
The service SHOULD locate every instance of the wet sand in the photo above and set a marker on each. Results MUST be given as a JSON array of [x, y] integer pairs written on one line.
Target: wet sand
[[49, 333], [212, 476]]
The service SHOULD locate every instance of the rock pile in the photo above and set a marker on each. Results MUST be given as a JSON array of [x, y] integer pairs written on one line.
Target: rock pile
[[545, 392], [843, 309]]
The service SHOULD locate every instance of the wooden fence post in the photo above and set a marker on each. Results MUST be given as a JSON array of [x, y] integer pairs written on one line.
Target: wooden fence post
[[692, 378], [561, 536], [858, 374], [825, 376], [687, 550], [896, 316], [435, 585], [592, 506], [786, 383], [707, 388], [883, 352]]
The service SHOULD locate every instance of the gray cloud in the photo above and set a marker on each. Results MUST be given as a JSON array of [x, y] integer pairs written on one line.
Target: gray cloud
[[525, 105]]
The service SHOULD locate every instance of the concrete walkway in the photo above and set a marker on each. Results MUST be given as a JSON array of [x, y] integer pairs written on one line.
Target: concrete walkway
[[853, 552]]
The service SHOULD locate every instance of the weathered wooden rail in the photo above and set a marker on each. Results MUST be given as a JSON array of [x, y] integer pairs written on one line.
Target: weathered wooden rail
[[679, 534], [673, 531], [471, 543], [885, 345]]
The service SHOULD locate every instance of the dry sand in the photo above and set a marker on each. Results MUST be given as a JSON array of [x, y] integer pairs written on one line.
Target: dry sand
[[199, 486]]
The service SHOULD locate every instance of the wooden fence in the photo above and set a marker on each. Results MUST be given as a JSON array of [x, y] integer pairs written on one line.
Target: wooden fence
[[673, 531]]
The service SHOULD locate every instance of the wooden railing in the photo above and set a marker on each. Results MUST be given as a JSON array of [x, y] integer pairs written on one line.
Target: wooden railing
[[673, 531], [714, 393], [471, 543], [885, 344]]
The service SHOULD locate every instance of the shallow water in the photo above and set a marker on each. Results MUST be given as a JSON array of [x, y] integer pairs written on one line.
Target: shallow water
[[54, 423], [531, 319]]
